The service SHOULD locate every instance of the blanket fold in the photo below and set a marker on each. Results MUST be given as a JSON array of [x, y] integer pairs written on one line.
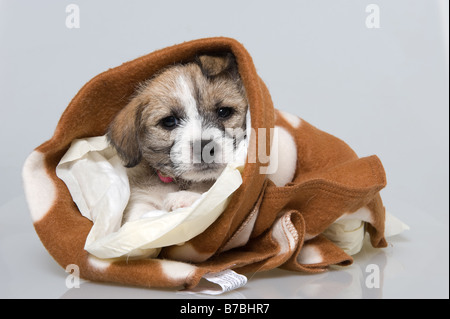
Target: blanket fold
[[268, 222]]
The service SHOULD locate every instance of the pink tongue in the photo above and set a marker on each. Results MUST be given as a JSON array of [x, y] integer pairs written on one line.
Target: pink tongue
[[164, 178]]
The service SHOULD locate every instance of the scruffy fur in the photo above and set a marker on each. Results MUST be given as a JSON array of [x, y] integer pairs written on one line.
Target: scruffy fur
[[195, 96]]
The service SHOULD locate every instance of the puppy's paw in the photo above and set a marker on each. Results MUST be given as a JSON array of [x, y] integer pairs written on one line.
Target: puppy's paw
[[180, 199]]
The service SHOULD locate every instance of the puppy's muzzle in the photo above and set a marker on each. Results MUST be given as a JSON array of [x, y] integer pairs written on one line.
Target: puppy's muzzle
[[206, 151]]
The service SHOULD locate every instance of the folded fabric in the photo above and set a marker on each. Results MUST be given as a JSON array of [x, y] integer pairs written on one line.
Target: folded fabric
[[98, 184], [280, 216]]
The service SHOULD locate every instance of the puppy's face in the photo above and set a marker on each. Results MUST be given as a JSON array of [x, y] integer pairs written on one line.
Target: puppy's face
[[186, 121]]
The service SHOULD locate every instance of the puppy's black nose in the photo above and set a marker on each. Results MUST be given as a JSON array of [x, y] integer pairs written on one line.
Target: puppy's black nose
[[204, 150]]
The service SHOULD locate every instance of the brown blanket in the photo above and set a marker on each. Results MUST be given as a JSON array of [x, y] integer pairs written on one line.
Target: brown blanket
[[265, 226]]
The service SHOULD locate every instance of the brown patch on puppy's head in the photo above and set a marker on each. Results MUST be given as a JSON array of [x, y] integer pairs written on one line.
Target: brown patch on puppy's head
[[214, 65]]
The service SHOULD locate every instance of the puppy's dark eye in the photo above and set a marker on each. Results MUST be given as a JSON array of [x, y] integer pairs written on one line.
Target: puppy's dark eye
[[224, 112], [169, 122]]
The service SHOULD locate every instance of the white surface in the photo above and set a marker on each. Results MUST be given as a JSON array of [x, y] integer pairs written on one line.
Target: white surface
[[383, 91]]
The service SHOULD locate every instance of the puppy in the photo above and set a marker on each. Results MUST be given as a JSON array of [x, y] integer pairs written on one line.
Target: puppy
[[179, 131]]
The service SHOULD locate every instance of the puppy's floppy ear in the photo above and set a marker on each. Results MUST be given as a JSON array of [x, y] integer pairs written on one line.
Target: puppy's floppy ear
[[123, 133], [217, 64]]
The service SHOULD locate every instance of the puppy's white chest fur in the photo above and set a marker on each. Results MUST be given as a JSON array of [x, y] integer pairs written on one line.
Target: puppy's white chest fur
[[149, 193]]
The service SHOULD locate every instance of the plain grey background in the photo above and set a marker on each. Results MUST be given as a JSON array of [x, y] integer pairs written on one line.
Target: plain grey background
[[382, 90]]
